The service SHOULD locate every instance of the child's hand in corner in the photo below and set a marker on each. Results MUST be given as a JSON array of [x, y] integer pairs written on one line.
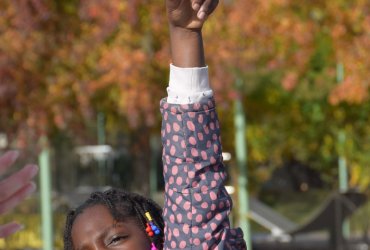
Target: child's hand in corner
[[14, 188], [189, 14]]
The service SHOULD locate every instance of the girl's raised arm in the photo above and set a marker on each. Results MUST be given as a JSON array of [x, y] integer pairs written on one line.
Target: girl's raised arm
[[197, 205]]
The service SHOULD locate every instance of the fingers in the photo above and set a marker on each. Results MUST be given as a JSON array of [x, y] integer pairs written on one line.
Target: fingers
[[204, 7], [14, 189], [196, 4], [9, 229], [8, 160], [212, 6], [16, 198], [203, 11], [15, 182]]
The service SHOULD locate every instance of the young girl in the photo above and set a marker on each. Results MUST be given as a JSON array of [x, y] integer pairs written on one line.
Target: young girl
[[196, 209]]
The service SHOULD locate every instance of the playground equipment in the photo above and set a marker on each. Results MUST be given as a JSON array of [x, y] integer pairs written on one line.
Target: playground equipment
[[330, 217]]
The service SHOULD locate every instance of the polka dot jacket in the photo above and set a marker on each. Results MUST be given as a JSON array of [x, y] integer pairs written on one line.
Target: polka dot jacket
[[197, 205]]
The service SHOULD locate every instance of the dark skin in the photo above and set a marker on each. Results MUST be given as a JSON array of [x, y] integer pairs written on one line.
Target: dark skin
[[95, 228], [186, 19]]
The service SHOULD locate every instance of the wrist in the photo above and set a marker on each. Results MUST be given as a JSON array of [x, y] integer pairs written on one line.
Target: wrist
[[186, 32], [186, 47]]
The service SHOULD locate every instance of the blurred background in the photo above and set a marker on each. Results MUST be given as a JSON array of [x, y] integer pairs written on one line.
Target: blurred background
[[81, 81]]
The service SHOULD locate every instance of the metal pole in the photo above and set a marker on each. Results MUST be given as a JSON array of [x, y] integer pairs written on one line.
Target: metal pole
[[342, 161], [101, 128], [241, 156], [155, 149], [101, 141], [45, 192]]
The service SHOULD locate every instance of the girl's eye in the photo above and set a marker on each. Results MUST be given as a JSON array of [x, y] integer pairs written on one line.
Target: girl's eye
[[116, 239]]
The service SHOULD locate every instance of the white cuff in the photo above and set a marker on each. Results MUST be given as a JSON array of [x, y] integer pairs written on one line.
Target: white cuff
[[188, 85]]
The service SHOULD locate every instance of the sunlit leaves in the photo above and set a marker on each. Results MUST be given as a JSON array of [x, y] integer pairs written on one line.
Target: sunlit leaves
[[62, 62]]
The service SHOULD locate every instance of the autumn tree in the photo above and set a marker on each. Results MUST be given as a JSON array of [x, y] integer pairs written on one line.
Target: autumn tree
[[63, 62]]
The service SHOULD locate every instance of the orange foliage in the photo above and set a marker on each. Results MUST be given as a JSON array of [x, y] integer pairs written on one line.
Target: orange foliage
[[282, 34], [57, 58]]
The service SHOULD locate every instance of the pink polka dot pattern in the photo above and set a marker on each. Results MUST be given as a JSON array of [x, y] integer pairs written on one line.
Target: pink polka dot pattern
[[197, 205]]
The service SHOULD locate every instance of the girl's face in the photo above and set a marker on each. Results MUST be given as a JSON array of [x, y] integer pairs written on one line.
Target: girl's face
[[95, 228]]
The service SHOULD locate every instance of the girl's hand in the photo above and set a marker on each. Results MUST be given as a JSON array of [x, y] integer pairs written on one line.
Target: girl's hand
[[189, 14], [14, 189]]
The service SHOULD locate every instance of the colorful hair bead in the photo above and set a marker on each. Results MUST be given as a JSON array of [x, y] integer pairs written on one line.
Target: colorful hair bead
[[148, 216], [154, 247], [151, 228]]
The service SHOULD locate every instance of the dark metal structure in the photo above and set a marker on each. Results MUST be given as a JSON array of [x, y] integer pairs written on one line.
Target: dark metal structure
[[329, 218]]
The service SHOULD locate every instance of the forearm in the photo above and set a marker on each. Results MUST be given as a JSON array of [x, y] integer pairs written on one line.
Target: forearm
[[186, 47], [189, 78]]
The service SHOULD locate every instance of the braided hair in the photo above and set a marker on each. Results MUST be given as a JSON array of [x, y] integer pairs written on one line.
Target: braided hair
[[121, 205]]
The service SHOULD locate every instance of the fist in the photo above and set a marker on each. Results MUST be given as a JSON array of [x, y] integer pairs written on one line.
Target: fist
[[189, 14]]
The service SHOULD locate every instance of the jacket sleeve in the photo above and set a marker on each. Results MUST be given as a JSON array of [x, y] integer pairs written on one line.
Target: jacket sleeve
[[197, 205]]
